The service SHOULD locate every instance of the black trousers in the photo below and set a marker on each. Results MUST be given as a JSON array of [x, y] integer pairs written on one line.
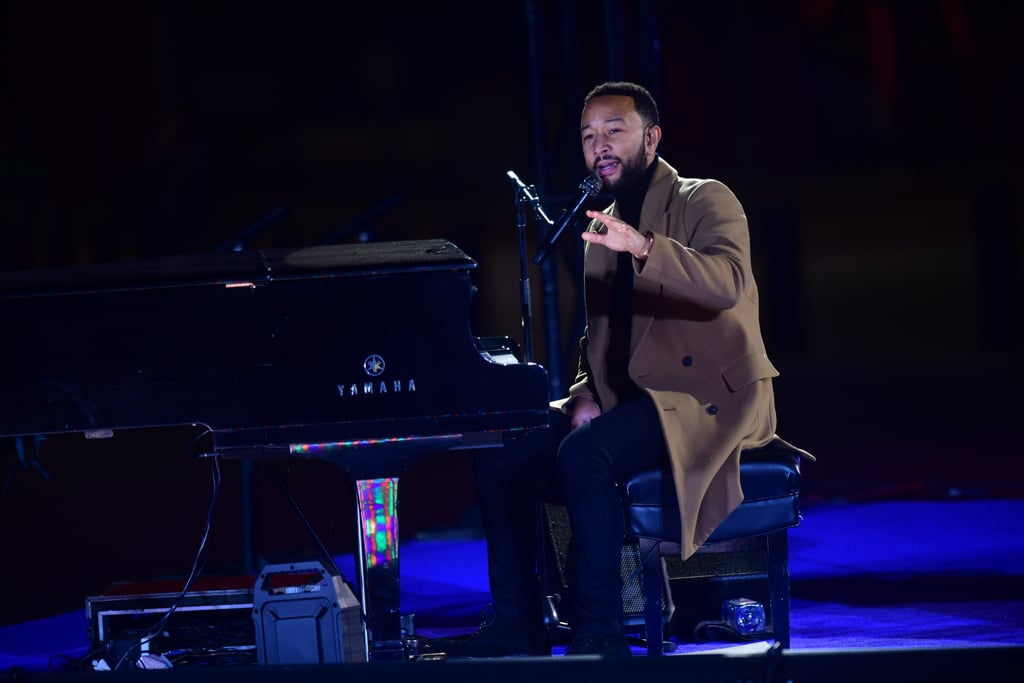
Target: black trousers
[[583, 465]]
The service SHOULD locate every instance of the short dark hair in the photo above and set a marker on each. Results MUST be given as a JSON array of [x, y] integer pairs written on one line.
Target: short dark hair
[[642, 98]]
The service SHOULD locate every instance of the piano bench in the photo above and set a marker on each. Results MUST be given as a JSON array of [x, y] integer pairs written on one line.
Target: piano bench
[[751, 544]]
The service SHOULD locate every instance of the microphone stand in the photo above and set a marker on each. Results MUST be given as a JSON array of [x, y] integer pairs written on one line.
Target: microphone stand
[[365, 218], [239, 241], [525, 195]]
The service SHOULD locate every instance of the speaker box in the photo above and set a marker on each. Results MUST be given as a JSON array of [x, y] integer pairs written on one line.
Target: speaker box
[[305, 615], [558, 568], [712, 576], [693, 591]]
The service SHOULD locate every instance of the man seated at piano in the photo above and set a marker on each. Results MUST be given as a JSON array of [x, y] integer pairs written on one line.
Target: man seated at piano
[[672, 370]]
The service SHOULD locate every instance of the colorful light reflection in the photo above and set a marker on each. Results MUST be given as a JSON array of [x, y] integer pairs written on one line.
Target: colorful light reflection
[[378, 511], [308, 448]]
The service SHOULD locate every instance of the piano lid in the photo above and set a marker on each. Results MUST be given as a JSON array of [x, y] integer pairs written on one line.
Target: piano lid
[[255, 266]]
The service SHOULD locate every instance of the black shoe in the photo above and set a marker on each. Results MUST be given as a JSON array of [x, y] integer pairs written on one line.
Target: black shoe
[[615, 647], [497, 637]]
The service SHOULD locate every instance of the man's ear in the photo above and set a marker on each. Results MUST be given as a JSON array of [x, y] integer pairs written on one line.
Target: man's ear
[[653, 136]]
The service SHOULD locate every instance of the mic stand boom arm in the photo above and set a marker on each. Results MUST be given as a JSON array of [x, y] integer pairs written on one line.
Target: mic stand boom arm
[[590, 186]]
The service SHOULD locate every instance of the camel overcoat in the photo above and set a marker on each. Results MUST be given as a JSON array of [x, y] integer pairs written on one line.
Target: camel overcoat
[[696, 345]]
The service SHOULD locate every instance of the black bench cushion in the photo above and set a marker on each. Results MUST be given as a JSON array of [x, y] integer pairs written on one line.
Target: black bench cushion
[[770, 477]]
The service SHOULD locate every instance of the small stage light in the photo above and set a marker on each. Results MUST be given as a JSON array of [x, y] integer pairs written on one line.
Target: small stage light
[[744, 615]]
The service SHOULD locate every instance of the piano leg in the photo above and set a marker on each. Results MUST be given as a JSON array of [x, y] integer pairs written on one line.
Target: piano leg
[[377, 516], [248, 520]]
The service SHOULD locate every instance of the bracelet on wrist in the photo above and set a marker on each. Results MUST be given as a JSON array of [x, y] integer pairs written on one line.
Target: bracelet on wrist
[[646, 249]]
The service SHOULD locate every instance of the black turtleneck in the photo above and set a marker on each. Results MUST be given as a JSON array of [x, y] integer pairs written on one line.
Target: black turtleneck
[[628, 202]]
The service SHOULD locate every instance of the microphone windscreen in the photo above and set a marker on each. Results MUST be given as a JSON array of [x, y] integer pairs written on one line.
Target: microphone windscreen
[[592, 185]]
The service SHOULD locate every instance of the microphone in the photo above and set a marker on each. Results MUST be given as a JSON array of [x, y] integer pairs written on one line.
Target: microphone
[[590, 187], [533, 200]]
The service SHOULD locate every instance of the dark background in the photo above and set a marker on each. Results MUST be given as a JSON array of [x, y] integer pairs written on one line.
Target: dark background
[[875, 145]]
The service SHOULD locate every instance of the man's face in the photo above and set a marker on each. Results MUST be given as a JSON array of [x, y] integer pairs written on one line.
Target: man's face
[[616, 144]]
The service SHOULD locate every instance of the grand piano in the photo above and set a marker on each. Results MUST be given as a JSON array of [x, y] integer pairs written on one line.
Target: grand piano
[[361, 355]]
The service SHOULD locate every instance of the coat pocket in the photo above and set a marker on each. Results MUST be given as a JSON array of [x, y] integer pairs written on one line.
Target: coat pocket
[[747, 370]]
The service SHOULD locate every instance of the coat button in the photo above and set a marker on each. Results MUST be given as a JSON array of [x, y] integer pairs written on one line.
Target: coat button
[[712, 410], [687, 361]]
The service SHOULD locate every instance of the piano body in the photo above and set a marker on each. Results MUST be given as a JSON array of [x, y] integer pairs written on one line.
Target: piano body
[[361, 355]]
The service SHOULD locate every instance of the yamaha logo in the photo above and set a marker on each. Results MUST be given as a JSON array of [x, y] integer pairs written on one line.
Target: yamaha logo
[[374, 366]]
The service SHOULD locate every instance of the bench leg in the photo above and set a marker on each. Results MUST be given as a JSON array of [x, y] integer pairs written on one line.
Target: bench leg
[[778, 585], [651, 575]]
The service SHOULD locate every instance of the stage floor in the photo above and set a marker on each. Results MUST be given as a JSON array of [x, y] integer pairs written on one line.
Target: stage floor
[[923, 586]]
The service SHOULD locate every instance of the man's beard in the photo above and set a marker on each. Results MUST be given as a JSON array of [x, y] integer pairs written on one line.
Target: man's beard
[[632, 170]]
